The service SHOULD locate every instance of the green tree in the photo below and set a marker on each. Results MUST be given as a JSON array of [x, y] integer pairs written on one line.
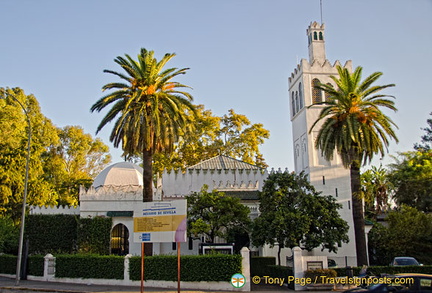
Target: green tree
[[426, 139], [214, 214], [13, 152], [293, 213], [9, 234], [230, 135], [376, 189], [151, 109], [354, 126], [75, 161], [408, 232], [411, 176]]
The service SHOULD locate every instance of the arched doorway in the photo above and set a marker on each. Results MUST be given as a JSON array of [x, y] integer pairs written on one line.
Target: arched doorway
[[120, 240]]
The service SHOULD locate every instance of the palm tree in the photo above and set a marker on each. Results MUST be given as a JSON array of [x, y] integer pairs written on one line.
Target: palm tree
[[376, 188], [151, 109], [355, 127]]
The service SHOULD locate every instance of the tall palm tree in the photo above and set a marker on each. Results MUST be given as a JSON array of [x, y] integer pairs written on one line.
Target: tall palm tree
[[150, 108], [357, 129]]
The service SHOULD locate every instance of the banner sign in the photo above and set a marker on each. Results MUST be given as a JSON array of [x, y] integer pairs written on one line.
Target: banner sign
[[161, 221]]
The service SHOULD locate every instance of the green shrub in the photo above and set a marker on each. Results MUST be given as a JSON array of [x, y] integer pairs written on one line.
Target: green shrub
[[36, 265], [259, 265], [89, 266], [377, 270], [317, 274], [94, 235], [51, 233], [194, 268], [8, 264]]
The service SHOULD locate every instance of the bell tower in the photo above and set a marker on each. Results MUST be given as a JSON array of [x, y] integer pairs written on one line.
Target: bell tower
[[316, 44], [330, 177]]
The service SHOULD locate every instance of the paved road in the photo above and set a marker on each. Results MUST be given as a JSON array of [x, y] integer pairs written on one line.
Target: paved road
[[7, 285]]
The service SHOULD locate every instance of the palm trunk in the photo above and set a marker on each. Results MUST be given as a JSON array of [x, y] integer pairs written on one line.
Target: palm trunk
[[147, 176], [148, 189], [358, 215]]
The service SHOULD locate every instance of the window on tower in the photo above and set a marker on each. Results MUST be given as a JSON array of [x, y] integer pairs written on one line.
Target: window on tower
[[316, 92], [315, 36], [301, 96], [321, 36], [293, 104], [327, 95], [297, 102]]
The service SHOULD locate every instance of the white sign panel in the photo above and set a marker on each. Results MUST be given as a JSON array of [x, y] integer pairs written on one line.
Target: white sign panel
[[161, 221]]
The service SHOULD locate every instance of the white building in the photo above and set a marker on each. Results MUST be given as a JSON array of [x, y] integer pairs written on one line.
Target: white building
[[118, 188], [330, 177]]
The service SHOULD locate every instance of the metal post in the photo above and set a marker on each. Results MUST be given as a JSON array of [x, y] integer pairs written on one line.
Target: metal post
[[21, 237]]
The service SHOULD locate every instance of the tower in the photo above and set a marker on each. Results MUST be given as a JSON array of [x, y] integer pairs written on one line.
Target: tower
[[330, 177]]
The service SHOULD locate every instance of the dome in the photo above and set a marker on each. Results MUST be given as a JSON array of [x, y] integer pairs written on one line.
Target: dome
[[120, 174]]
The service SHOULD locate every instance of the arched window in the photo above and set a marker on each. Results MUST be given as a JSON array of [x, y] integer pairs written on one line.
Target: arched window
[[297, 102], [120, 240], [301, 96], [327, 95], [315, 36], [321, 36], [316, 93], [293, 104]]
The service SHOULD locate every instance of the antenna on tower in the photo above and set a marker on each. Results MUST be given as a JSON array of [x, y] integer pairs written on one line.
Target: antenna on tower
[[321, 11]]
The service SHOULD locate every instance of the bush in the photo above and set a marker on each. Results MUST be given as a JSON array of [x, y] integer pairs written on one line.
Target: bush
[[259, 265], [378, 270], [9, 234], [194, 268], [317, 274], [89, 266], [51, 233], [8, 264], [94, 235], [36, 265]]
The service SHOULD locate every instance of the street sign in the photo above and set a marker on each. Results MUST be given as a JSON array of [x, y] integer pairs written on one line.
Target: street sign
[[160, 221]]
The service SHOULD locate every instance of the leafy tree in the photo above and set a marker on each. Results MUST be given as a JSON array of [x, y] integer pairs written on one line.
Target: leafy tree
[[8, 236], [411, 175], [74, 162], [293, 213], [408, 232], [214, 214], [151, 109], [13, 153], [376, 188], [357, 129], [426, 139], [230, 135]]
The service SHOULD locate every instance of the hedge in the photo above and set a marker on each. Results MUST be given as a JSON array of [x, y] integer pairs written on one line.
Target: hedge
[[67, 234], [259, 265], [8, 264], [89, 266], [194, 268], [51, 233], [35, 264], [94, 235], [377, 270]]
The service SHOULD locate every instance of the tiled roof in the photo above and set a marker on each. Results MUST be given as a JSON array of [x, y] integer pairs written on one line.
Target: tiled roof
[[223, 163]]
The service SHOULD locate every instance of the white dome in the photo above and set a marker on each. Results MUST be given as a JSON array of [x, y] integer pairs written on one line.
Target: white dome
[[120, 174]]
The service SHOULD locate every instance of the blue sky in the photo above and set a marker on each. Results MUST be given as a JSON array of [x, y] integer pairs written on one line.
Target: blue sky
[[240, 54]]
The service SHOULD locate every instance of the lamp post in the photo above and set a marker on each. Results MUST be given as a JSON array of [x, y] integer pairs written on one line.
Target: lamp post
[[21, 237]]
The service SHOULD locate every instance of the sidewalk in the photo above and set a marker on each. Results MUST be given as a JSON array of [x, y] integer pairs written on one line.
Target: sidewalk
[[7, 285]]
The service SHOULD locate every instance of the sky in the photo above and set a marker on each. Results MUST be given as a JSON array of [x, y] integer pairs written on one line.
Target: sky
[[240, 54]]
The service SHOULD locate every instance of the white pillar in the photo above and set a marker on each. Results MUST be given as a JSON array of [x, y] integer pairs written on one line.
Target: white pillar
[[49, 267], [246, 268], [298, 266], [126, 274]]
